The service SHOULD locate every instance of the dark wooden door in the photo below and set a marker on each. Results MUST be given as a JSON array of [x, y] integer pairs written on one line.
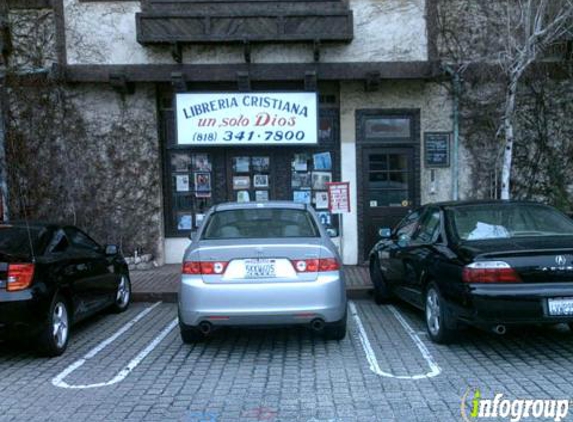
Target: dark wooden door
[[388, 185]]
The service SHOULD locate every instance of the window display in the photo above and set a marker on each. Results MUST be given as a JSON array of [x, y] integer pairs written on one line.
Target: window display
[[310, 172], [251, 177], [190, 188]]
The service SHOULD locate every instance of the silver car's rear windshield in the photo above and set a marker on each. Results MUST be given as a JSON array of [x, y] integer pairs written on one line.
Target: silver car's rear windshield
[[502, 221], [260, 223]]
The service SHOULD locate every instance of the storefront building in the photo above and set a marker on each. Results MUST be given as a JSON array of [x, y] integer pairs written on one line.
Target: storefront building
[[272, 100]]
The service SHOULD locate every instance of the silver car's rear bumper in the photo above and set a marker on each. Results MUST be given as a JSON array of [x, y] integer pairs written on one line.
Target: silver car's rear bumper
[[261, 303]]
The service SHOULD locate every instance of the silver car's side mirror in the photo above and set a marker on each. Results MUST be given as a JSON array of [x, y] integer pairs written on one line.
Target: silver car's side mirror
[[192, 236], [385, 233]]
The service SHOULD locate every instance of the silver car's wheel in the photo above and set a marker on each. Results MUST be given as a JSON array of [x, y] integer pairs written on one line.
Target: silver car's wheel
[[123, 294]]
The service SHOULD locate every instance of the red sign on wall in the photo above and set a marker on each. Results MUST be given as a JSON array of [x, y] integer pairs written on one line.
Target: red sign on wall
[[338, 197]]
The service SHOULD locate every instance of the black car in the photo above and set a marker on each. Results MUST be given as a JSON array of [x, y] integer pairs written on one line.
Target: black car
[[490, 264], [52, 276]]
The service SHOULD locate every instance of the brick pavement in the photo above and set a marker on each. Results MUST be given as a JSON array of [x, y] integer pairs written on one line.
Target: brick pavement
[[162, 283], [281, 375]]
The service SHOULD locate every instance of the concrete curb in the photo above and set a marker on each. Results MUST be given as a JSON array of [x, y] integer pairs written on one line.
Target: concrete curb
[[171, 297]]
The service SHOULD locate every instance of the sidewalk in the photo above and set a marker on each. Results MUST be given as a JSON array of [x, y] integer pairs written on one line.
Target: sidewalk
[[162, 283]]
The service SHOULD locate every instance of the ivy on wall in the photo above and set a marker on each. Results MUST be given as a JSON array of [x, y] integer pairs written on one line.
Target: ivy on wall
[[75, 157], [469, 44]]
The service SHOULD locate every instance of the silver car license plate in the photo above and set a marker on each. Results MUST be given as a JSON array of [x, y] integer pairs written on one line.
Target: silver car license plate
[[562, 306], [260, 268]]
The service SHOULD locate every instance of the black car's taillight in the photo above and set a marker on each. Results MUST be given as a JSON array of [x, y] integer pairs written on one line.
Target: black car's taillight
[[19, 276], [490, 272]]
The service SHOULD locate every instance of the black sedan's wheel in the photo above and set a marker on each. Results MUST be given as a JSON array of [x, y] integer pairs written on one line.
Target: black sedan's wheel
[[381, 291], [53, 340], [437, 320], [123, 295]]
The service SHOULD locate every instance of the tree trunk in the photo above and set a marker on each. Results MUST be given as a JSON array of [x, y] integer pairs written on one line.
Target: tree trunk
[[508, 129]]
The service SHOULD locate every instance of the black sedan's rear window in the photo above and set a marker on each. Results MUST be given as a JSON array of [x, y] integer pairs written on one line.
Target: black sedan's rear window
[[502, 221], [260, 223], [19, 240]]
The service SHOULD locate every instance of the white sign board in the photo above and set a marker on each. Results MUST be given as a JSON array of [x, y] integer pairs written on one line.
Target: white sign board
[[338, 197], [253, 118]]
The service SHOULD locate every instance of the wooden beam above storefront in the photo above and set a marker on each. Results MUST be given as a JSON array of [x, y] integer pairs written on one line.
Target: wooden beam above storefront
[[29, 4], [257, 72]]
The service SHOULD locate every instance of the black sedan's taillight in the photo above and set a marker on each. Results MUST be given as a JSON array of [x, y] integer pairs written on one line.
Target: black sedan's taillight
[[490, 272], [19, 276]]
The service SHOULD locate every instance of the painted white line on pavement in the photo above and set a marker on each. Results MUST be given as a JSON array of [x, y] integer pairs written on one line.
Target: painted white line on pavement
[[371, 356], [58, 380]]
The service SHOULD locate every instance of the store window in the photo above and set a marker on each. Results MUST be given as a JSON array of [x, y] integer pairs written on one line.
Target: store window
[[197, 178], [191, 188], [310, 173]]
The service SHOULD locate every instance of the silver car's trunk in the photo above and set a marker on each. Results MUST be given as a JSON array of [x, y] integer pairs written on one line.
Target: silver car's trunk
[[278, 252]]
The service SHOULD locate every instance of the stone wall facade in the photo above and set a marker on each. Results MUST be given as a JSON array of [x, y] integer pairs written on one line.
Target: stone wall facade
[[434, 104], [87, 156], [393, 30]]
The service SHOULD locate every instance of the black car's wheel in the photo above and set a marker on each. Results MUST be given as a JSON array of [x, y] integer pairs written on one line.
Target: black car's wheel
[[123, 295], [192, 335], [336, 331], [437, 319], [53, 340], [382, 293]]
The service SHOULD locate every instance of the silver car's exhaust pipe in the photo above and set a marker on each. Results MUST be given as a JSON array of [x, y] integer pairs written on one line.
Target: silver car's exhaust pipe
[[500, 329], [317, 324], [205, 327]]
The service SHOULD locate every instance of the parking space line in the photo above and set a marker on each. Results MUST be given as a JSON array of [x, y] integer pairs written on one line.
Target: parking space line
[[58, 380], [371, 356]]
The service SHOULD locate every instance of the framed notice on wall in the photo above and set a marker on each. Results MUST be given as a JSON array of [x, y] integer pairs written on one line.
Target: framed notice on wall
[[437, 149], [255, 118], [338, 197]]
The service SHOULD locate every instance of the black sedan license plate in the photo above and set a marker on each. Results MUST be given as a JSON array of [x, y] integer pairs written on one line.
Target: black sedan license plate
[[562, 306]]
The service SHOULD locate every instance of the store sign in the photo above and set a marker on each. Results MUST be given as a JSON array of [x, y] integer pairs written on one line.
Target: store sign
[[268, 119], [338, 197]]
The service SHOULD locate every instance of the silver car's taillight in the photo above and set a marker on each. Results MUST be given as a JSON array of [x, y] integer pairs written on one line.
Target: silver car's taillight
[[204, 267], [316, 265]]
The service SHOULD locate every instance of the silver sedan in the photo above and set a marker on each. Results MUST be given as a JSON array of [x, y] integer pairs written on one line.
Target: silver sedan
[[261, 264]]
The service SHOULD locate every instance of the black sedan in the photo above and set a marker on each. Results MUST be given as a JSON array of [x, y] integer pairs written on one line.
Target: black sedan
[[53, 276], [489, 264]]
